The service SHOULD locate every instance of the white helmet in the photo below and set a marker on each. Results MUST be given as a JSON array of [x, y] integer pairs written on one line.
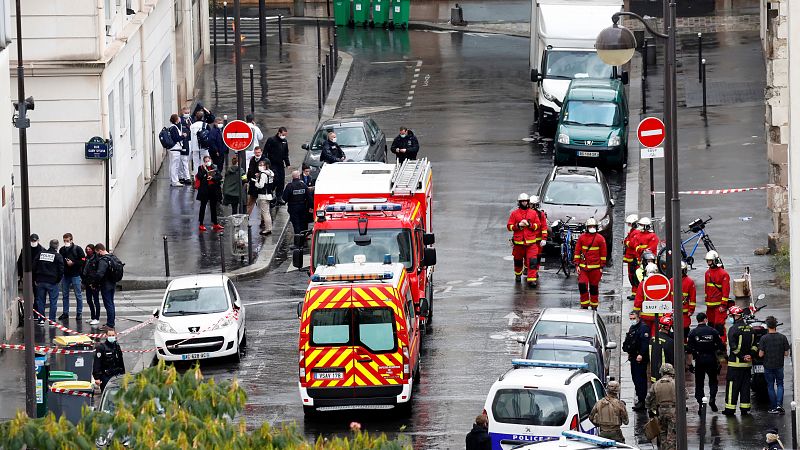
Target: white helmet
[[651, 269], [645, 222], [684, 266], [535, 201], [523, 197], [631, 219], [591, 222], [712, 255]]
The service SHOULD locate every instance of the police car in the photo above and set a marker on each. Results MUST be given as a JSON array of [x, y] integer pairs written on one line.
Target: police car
[[572, 440], [536, 400]]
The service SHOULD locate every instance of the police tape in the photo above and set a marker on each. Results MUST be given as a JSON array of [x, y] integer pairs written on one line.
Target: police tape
[[717, 191], [43, 349], [72, 392], [95, 335]]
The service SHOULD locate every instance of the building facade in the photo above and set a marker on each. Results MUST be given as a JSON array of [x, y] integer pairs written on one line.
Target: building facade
[[8, 230]]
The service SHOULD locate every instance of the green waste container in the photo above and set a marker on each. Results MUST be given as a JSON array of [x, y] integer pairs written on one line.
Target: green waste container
[[341, 12], [57, 376], [380, 12], [401, 9], [360, 12], [70, 405]]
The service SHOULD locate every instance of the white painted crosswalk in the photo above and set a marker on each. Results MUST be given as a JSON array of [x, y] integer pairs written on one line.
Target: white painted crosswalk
[[137, 305]]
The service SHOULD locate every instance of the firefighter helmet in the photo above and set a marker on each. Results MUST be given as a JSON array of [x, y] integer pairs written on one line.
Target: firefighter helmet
[[684, 267], [666, 320], [632, 219], [735, 310], [535, 201], [647, 255], [645, 223], [523, 197]]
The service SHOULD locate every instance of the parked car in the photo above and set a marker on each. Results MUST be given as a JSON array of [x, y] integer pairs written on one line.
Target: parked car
[[578, 193], [360, 138], [593, 124], [573, 349], [200, 317]]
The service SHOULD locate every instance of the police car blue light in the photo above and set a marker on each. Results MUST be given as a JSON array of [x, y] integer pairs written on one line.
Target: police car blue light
[[549, 364]]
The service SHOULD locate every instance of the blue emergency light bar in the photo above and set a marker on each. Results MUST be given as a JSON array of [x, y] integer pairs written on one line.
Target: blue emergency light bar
[[590, 439], [348, 207], [549, 364], [352, 277]]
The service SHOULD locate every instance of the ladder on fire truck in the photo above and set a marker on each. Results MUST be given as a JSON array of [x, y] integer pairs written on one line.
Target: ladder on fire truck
[[409, 177]]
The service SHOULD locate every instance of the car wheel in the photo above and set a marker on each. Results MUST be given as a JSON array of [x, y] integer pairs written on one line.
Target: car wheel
[[243, 343], [417, 374]]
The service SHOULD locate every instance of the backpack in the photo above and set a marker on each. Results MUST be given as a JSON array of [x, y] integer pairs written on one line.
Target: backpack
[[116, 268], [204, 137], [90, 270], [166, 138]]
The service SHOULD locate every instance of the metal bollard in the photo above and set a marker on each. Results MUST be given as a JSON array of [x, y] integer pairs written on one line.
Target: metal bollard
[[644, 94], [214, 8], [703, 409], [249, 243], [644, 58], [329, 63], [252, 93], [794, 424], [166, 257], [328, 7], [225, 119], [699, 57], [703, 76], [225, 20], [222, 252], [332, 61], [324, 82], [280, 31], [319, 96], [319, 44], [336, 46]]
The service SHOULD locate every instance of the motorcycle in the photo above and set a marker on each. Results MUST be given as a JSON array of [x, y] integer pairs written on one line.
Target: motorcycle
[[757, 381]]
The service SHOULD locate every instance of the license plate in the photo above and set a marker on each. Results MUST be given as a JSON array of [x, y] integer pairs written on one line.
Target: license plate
[[588, 154], [195, 356], [328, 375], [758, 369]]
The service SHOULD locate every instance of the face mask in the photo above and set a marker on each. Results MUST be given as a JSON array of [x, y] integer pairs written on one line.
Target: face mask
[[729, 320], [333, 139], [524, 206], [402, 135], [219, 125], [634, 321], [283, 138], [263, 169], [67, 244], [34, 244], [111, 339], [592, 230], [208, 163], [186, 116]]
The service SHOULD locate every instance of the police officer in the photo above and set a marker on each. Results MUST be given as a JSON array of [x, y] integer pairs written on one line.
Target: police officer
[[298, 197], [108, 361], [661, 403], [740, 360], [48, 270], [661, 347], [704, 343], [331, 152], [636, 346], [405, 145], [610, 413]]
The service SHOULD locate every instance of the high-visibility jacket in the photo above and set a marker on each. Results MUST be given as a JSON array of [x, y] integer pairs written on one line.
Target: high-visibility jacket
[[629, 244], [689, 291], [646, 240], [541, 233], [590, 251], [524, 235], [718, 287], [742, 343]]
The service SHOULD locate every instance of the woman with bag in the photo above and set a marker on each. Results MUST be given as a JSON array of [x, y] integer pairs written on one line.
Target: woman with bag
[[264, 182], [232, 186], [208, 181]]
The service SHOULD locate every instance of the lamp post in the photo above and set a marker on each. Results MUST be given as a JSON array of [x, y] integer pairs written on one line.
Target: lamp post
[[615, 46]]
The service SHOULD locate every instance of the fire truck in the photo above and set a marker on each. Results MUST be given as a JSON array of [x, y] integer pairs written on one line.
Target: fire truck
[[376, 209]]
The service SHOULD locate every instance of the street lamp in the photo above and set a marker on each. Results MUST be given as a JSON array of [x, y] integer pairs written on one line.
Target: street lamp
[[615, 46]]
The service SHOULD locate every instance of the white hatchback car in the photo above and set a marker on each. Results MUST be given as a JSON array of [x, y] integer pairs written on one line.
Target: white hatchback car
[[536, 400], [200, 317]]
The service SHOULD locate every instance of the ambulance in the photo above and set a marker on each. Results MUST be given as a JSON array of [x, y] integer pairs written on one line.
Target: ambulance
[[359, 338], [374, 209]]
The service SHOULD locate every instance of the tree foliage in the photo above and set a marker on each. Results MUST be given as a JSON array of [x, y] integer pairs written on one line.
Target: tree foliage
[[159, 408]]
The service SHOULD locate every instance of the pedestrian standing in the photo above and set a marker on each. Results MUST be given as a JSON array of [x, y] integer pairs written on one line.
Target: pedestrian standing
[[217, 150], [252, 173], [176, 153], [704, 343], [277, 150], [773, 441], [108, 361], [741, 343], [299, 203], [629, 256], [209, 192], [405, 145], [478, 438], [590, 258], [661, 349], [636, 345], [661, 402], [257, 136], [718, 292], [49, 270], [773, 347], [524, 224], [648, 318], [541, 232], [74, 259], [36, 249], [102, 279], [689, 295], [331, 151], [232, 188], [646, 239], [186, 131], [610, 413], [198, 149], [264, 181], [92, 293]]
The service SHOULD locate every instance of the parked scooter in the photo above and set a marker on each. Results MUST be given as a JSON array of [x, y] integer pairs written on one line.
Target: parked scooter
[[757, 381]]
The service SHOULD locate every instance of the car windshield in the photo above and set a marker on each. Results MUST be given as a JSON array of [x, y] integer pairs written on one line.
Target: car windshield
[[340, 245], [565, 355], [590, 113], [371, 328], [198, 300], [566, 64], [574, 193], [109, 401], [530, 407], [345, 137], [553, 328]]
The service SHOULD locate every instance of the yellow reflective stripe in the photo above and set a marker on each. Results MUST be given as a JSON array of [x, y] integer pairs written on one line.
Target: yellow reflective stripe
[[626, 259], [511, 227], [589, 266], [637, 308], [725, 299], [712, 303], [525, 242], [745, 405], [718, 286], [739, 364], [589, 248], [602, 258]]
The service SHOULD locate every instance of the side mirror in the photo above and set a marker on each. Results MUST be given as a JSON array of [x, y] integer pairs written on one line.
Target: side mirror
[[299, 241], [372, 141], [237, 304], [611, 345], [155, 312], [429, 257], [299, 309], [625, 77], [522, 339], [428, 238], [424, 307], [535, 76], [297, 259], [304, 146]]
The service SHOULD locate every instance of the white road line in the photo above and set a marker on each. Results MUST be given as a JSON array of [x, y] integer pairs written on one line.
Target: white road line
[[411, 92], [408, 104], [419, 63], [416, 70], [410, 98], [391, 62]]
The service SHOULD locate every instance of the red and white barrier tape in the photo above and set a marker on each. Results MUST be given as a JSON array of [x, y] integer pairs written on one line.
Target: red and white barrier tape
[[42, 349], [95, 335], [140, 350], [72, 392], [717, 191]]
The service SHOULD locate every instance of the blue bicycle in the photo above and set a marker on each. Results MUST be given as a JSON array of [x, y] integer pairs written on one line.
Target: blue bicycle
[[697, 226], [568, 233]]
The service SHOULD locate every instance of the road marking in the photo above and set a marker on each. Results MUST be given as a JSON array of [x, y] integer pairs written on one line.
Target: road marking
[[391, 62], [416, 75], [410, 97], [419, 63], [511, 318], [374, 109], [408, 104], [411, 92]]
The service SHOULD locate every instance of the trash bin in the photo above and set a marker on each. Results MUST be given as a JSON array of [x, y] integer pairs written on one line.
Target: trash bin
[[237, 223], [79, 363], [42, 372], [401, 9], [341, 12], [71, 404], [360, 12], [57, 376], [380, 13]]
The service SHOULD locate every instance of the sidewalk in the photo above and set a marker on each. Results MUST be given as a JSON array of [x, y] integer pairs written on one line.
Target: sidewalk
[[285, 92], [726, 150]]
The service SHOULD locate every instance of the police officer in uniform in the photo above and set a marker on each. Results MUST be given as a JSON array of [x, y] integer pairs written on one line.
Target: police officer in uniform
[[740, 361], [636, 346], [661, 403], [609, 413], [704, 343], [108, 361], [661, 347], [299, 200], [331, 151]]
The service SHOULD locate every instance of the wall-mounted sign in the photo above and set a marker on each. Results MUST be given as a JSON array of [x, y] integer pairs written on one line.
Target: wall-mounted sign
[[98, 148]]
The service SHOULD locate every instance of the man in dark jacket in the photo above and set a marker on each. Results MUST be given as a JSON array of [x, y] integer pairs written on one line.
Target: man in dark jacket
[[108, 361], [298, 198], [405, 145], [331, 152], [74, 258], [636, 346], [704, 342], [217, 150], [101, 279], [478, 438], [36, 248], [277, 150], [49, 270]]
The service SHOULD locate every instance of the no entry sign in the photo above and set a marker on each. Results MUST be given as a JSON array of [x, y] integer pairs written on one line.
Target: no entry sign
[[237, 135], [651, 132], [656, 287]]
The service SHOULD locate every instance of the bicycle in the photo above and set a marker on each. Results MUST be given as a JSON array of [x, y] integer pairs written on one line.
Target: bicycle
[[697, 226], [569, 233]]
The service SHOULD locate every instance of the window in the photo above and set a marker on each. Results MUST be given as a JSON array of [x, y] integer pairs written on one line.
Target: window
[[167, 104], [376, 329], [232, 292], [6, 33], [123, 121], [598, 387], [371, 328], [199, 300], [330, 327], [602, 327], [552, 328], [566, 355], [131, 114], [197, 29], [586, 401], [410, 312], [591, 113], [560, 192], [112, 129], [530, 407], [568, 64]]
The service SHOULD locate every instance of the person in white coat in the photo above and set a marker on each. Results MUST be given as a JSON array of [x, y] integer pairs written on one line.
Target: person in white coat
[[175, 165], [197, 152], [258, 136], [264, 181]]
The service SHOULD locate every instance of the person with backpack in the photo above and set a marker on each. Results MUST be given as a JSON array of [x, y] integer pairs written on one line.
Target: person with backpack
[[74, 259], [108, 271], [171, 139], [218, 150], [92, 293], [200, 141]]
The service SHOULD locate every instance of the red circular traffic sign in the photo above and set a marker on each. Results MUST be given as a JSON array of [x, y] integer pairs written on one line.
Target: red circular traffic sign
[[237, 135], [651, 132], [656, 287]]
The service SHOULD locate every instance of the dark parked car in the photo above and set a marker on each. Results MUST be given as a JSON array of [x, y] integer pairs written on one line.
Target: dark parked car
[[578, 193], [360, 138]]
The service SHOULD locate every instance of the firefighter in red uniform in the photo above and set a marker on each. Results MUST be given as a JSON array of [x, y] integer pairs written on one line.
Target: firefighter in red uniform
[[718, 292], [646, 240], [629, 257], [689, 293], [541, 233], [590, 258], [524, 223], [648, 318]]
